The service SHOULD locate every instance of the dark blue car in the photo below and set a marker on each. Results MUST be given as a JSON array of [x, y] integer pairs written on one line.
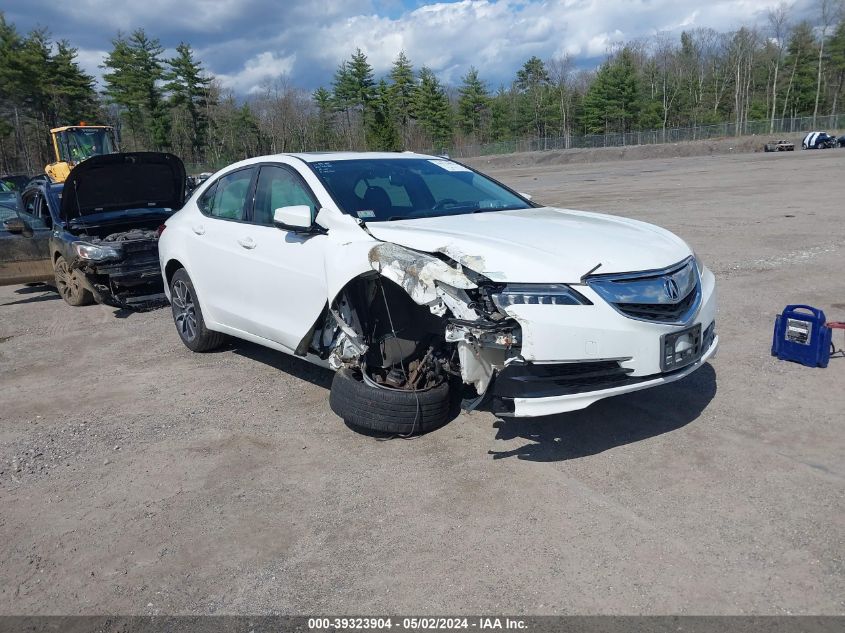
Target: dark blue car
[[96, 235]]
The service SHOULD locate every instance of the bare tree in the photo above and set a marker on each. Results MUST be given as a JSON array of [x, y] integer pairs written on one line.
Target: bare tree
[[560, 72], [828, 9], [668, 75], [779, 29]]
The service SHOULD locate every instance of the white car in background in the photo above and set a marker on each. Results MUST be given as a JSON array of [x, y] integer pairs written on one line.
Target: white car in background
[[417, 279]]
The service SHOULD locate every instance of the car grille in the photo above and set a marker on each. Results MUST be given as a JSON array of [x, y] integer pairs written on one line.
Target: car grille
[[671, 295], [663, 312]]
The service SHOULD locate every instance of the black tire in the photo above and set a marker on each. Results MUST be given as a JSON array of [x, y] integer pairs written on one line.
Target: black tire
[[187, 315], [388, 410], [70, 285]]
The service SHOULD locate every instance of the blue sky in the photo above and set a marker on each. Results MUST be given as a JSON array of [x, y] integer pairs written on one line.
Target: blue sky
[[248, 43]]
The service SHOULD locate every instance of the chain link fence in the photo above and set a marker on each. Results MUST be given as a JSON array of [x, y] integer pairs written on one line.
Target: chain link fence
[[653, 137]]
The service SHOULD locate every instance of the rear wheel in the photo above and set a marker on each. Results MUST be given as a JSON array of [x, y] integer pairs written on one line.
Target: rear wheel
[[187, 315], [70, 285]]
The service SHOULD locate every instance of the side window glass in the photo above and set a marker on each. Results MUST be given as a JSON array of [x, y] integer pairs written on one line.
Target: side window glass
[[29, 204], [230, 194], [7, 212], [37, 212], [44, 214], [207, 199], [279, 187]]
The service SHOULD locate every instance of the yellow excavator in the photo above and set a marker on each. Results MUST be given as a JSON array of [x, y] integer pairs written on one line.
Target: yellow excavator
[[74, 143]]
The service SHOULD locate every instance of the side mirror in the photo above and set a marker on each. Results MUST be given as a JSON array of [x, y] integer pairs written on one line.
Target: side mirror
[[295, 218], [17, 226], [527, 196]]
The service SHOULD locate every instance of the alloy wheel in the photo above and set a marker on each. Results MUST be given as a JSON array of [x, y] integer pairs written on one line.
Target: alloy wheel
[[184, 311]]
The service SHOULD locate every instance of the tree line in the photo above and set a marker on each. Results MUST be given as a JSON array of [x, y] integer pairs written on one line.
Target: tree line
[[782, 68]]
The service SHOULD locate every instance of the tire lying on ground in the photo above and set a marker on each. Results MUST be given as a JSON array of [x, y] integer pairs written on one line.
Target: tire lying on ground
[[388, 410]]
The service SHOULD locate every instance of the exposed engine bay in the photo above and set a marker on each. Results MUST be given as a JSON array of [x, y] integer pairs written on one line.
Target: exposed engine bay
[[120, 267], [418, 320]]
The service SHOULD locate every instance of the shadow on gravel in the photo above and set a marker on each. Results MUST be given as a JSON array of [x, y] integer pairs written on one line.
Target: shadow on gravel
[[41, 292], [296, 367], [611, 422]]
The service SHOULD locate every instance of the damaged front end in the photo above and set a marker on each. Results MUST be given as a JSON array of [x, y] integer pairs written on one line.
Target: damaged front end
[[120, 269], [416, 321], [113, 208]]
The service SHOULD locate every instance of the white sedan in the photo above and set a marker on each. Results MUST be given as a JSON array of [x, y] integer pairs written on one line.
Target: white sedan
[[423, 282]]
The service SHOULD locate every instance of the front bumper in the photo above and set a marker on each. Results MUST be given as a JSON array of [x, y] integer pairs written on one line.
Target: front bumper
[[573, 356], [528, 407], [134, 281]]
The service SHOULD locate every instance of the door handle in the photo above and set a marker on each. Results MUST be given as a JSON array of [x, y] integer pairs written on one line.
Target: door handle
[[247, 242], [199, 229]]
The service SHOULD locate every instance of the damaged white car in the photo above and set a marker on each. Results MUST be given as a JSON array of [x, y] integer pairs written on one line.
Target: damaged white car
[[423, 283]]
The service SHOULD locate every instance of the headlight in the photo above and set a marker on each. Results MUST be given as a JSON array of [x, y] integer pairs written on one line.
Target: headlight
[[539, 294], [95, 253]]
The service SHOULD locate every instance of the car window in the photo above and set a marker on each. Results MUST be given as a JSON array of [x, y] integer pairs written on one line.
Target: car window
[[385, 189], [207, 198], [279, 187], [230, 195], [32, 211], [7, 212]]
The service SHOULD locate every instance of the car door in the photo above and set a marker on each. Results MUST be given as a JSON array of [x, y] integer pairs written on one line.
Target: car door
[[214, 247], [281, 272], [24, 237]]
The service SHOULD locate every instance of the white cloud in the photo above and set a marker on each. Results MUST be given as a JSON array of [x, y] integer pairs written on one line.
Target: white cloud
[[247, 42], [90, 61], [257, 71]]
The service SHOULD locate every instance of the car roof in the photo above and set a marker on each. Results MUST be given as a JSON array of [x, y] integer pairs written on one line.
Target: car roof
[[316, 157]]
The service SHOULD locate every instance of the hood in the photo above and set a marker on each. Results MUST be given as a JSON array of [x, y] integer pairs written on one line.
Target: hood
[[540, 245], [117, 182]]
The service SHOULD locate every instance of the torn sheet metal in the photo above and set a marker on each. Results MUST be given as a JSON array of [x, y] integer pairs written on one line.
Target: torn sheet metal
[[416, 272]]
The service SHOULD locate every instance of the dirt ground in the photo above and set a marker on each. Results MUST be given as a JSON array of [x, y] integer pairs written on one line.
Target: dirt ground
[[139, 478]]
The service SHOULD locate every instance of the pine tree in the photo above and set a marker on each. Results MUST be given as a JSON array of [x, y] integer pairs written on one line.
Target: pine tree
[[352, 90], [34, 57], [72, 94], [432, 109], [382, 134], [473, 103], [135, 69], [801, 64], [532, 82], [324, 132], [401, 94], [188, 89], [836, 64], [612, 103]]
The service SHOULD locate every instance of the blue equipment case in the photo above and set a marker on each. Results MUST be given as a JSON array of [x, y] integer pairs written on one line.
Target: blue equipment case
[[802, 337]]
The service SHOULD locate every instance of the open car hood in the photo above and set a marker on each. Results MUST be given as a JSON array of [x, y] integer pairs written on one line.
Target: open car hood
[[118, 182]]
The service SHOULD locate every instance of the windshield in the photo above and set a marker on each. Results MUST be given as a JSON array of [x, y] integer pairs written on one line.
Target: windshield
[[77, 144], [382, 189]]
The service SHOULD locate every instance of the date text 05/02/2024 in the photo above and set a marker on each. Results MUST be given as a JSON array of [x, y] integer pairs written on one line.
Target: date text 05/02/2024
[[415, 623]]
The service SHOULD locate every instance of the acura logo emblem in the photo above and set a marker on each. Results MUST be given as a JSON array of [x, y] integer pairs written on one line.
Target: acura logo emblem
[[671, 288]]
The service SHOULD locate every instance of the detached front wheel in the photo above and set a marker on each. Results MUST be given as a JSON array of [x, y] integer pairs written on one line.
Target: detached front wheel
[[398, 411], [187, 315]]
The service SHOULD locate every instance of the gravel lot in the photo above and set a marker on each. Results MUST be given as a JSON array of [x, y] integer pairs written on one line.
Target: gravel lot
[[139, 478]]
